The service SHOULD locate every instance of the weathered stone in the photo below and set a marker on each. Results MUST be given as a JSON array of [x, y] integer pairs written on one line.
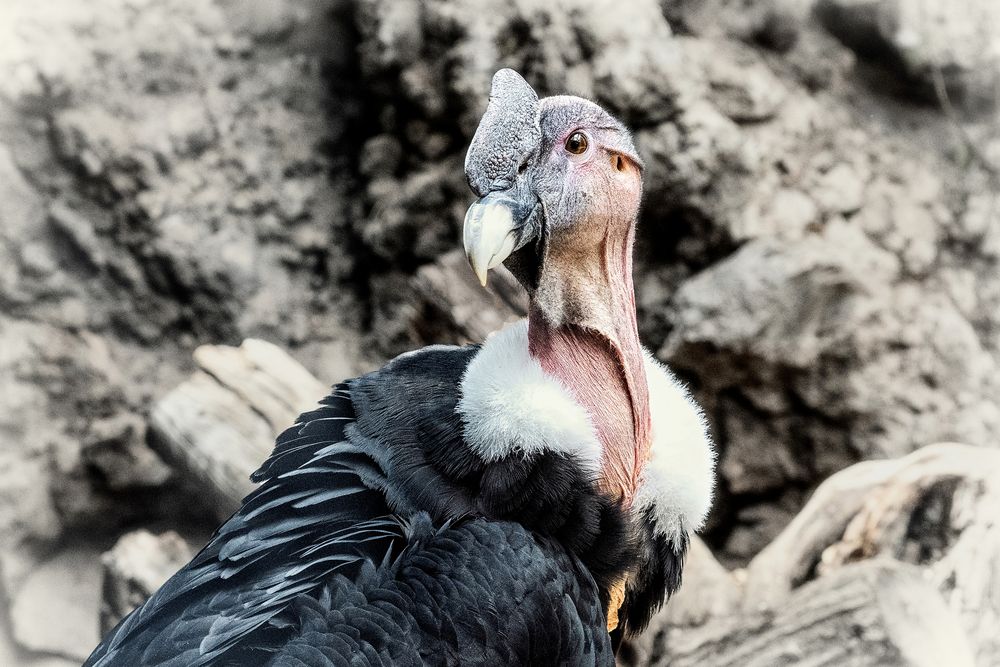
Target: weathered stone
[[773, 24], [936, 48], [129, 134], [116, 447], [823, 321], [70, 583], [135, 568], [741, 86], [817, 260], [787, 303], [839, 190]]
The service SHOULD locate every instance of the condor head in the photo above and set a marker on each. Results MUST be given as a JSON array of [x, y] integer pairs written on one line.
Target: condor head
[[559, 185]]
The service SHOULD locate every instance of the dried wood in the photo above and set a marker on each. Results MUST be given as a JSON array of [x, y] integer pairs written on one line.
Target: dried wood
[[936, 509], [942, 511], [874, 613], [219, 425]]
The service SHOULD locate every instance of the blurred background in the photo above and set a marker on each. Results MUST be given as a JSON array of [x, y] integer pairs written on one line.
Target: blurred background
[[817, 256]]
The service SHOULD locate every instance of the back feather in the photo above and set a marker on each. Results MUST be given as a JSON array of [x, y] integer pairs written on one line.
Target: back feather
[[318, 511]]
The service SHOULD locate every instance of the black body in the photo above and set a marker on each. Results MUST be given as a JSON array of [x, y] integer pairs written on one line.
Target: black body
[[378, 537]]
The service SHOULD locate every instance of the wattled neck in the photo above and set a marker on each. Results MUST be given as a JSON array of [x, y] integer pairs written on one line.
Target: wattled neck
[[582, 330]]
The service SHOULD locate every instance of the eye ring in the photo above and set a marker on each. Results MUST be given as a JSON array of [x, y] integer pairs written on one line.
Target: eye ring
[[577, 143]]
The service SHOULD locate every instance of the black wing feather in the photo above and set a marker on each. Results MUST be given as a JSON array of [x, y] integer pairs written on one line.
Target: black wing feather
[[316, 513], [475, 592]]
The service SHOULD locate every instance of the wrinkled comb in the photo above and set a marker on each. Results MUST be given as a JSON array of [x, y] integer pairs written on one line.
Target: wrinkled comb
[[508, 133]]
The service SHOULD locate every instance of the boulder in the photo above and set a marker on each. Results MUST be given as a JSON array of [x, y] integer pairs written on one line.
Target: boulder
[[55, 609], [138, 564]]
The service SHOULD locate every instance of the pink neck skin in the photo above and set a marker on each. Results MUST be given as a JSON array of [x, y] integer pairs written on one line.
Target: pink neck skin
[[595, 351]]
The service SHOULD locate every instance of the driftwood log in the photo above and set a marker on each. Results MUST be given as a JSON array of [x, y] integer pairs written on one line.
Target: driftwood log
[[874, 613], [890, 562], [218, 426], [942, 511]]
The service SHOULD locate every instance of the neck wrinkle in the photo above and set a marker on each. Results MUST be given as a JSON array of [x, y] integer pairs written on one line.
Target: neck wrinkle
[[598, 356], [619, 270]]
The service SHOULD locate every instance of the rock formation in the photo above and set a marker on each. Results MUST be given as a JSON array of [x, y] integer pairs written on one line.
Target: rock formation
[[818, 258]]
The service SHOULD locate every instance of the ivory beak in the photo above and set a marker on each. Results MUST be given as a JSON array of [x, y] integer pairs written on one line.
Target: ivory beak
[[490, 235]]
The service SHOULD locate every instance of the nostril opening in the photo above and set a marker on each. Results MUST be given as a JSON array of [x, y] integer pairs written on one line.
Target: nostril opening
[[618, 162], [523, 168]]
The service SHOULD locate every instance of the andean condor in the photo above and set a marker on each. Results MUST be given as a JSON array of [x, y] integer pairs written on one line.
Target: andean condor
[[497, 504]]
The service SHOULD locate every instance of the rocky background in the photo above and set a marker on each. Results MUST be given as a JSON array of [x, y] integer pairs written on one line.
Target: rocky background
[[818, 257]]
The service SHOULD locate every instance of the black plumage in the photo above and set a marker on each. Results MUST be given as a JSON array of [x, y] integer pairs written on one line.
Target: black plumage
[[377, 536], [457, 595]]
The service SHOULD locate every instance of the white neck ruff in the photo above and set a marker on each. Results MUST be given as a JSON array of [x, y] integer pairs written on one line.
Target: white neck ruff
[[510, 406]]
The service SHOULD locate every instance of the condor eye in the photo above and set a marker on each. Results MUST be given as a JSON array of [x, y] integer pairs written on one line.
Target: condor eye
[[577, 143]]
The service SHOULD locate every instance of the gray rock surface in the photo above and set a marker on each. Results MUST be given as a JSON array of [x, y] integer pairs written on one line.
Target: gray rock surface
[[170, 177], [817, 258], [932, 46], [166, 177], [135, 568], [53, 611]]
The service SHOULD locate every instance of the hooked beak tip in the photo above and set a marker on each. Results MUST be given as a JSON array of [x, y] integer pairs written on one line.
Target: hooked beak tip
[[480, 272], [490, 235]]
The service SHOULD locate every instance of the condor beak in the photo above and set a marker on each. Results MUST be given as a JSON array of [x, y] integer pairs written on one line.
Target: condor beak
[[490, 235], [509, 134], [496, 226]]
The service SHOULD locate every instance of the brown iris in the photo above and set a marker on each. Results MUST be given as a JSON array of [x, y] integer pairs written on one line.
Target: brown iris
[[577, 143]]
